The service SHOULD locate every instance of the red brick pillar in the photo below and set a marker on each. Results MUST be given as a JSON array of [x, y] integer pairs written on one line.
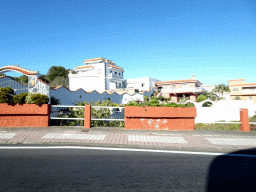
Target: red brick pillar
[[126, 120], [49, 112], [87, 116], [244, 118]]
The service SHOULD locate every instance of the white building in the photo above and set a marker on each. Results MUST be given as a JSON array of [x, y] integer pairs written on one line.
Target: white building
[[97, 74], [142, 84]]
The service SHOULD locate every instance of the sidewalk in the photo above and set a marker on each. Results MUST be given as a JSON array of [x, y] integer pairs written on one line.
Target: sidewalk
[[198, 140]]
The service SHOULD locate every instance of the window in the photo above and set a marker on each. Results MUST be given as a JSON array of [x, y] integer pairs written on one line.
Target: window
[[115, 72], [110, 71], [119, 83], [235, 89], [250, 97], [98, 71], [119, 74], [142, 84]]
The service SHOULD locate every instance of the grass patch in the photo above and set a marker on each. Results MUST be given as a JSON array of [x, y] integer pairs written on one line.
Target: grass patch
[[217, 126], [224, 126]]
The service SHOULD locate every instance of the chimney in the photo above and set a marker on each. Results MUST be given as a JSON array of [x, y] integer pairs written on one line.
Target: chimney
[[193, 77]]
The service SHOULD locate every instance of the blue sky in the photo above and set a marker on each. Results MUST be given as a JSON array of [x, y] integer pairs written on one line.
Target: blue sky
[[215, 40]]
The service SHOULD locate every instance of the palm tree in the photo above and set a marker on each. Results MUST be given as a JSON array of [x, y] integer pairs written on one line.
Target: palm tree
[[210, 95], [221, 88]]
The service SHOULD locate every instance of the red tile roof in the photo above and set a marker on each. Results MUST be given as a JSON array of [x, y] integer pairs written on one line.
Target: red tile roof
[[236, 80], [186, 80], [19, 69], [82, 67], [115, 67], [245, 84], [96, 59]]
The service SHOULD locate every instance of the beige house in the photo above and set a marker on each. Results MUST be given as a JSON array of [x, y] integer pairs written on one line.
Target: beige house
[[246, 91], [191, 88]]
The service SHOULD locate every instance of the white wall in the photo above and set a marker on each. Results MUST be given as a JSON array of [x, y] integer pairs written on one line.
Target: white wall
[[222, 110], [68, 97], [137, 83], [89, 79]]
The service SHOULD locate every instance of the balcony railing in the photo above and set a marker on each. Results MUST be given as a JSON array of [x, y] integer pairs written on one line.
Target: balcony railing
[[180, 90], [249, 91], [115, 76]]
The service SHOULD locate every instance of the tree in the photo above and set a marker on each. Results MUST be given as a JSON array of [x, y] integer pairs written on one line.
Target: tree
[[45, 78], [57, 71], [201, 98], [210, 95], [60, 81], [221, 88], [23, 79]]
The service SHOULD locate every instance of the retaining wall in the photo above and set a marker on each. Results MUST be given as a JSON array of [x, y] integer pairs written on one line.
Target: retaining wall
[[24, 115]]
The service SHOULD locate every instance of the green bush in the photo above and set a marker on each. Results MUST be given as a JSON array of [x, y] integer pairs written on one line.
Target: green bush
[[183, 99], [201, 98], [6, 95], [146, 98], [207, 104], [54, 101], [161, 98], [97, 114], [221, 98], [153, 102], [29, 99], [39, 99], [20, 98], [237, 98]]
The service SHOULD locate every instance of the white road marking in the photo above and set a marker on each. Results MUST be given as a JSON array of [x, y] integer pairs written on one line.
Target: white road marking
[[232, 141], [133, 150], [73, 136], [7, 135], [156, 139]]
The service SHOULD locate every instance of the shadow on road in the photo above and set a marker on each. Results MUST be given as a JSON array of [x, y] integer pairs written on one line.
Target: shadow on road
[[233, 172]]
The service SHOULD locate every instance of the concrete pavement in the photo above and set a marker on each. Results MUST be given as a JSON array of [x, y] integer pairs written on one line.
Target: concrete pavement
[[198, 140]]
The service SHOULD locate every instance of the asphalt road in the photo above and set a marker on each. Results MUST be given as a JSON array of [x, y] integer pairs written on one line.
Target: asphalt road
[[104, 170]]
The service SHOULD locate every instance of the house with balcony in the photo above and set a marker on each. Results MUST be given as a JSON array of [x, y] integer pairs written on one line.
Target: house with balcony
[[191, 88], [98, 74], [246, 91], [140, 84]]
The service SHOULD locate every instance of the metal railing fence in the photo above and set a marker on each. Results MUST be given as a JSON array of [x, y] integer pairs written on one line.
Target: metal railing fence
[[66, 106], [98, 107], [95, 107]]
